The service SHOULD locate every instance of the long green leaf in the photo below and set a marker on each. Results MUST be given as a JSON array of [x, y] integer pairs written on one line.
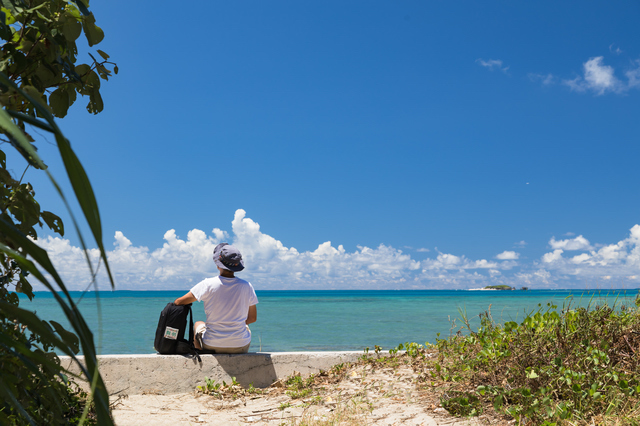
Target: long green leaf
[[7, 124], [31, 120], [86, 198], [101, 397], [78, 177]]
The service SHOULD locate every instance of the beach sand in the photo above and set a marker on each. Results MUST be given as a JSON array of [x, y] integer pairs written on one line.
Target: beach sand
[[363, 394]]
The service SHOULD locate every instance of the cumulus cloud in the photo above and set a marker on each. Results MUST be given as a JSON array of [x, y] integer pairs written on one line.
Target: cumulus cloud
[[599, 78], [552, 257], [493, 64], [508, 255], [179, 263], [577, 243], [611, 261], [423, 250], [633, 75]]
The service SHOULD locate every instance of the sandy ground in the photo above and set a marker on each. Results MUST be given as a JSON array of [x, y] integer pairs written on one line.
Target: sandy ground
[[361, 395]]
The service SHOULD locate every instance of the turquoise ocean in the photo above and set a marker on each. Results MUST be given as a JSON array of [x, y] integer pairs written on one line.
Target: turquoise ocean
[[331, 320]]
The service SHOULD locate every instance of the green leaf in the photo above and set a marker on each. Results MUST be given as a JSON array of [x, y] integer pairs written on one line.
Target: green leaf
[[96, 104], [532, 375], [89, 369], [498, 403], [31, 120], [8, 4], [79, 180], [92, 32], [104, 55], [24, 287], [59, 102], [35, 96], [67, 337], [14, 131], [53, 222], [82, 6], [85, 196], [8, 16], [72, 28]]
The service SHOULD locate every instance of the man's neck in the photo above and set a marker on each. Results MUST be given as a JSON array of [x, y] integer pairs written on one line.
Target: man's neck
[[228, 274]]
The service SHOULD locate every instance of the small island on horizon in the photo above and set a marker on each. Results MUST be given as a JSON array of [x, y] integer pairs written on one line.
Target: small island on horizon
[[503, 287]]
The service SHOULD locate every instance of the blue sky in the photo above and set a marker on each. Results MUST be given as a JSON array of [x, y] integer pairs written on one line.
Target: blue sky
[[437, 135]]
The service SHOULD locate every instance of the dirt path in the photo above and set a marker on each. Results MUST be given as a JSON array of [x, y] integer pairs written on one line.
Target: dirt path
[[359, 394]]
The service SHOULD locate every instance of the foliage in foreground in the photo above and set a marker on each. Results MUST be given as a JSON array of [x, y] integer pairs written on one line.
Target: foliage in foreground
[[39, 79], [578, 366]]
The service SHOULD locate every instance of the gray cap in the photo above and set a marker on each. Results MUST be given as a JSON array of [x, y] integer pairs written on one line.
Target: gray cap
[[228, 257]]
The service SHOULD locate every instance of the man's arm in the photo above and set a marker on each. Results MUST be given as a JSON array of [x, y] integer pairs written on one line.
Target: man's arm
[[186, 299], [252, 316]]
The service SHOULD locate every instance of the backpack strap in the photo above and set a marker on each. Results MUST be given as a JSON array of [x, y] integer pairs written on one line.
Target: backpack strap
[[190, 326], [192, 347]]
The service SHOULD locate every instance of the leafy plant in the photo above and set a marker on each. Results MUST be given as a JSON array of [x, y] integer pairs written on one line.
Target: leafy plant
[[39, 79], [284, 406], [210, 386], [219, 390], [555, 366]]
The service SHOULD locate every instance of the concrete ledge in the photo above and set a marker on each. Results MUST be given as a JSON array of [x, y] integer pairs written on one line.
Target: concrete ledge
[[171, 374]]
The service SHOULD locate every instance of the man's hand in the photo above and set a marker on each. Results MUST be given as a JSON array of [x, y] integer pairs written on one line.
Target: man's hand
[[186, 299]]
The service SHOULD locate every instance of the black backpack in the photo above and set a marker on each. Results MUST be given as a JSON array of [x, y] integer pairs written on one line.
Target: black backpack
[[171, 328]]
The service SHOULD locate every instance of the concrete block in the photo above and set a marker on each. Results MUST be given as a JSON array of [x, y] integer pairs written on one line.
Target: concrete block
[[171, 374]]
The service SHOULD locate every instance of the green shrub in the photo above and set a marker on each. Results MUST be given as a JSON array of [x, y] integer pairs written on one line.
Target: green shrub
[[576, 364]]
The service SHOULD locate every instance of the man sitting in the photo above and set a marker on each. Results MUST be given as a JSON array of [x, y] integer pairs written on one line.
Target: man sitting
[[229, 304]]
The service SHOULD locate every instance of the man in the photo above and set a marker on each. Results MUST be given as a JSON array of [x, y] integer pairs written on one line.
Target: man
[[229, 303]]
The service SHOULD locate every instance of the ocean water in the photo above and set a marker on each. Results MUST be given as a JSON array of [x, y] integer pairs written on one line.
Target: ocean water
[[320, 320]]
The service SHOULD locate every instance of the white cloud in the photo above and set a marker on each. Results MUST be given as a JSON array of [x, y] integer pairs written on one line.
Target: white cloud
[[615, 261], [577, 243], [552, 257], [493, 64], [508, 255], [597, 78], [180, 263], [633, 75], [423, 250], [614, 50]]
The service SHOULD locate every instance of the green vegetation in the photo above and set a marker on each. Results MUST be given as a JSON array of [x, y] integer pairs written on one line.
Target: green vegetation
[[221, 390], [40, 79], [576, 366], [499, 287], [297, 387]]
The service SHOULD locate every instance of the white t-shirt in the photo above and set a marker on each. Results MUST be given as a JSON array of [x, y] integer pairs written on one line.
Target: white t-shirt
[[226, 304]]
